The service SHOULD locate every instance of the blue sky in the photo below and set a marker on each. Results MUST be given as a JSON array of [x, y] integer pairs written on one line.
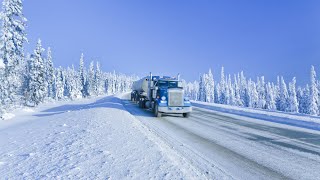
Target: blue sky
[[267, 37]]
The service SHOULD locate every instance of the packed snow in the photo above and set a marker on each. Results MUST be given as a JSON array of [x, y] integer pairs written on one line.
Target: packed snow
[[96, 139], [229, 146], [1, 64]]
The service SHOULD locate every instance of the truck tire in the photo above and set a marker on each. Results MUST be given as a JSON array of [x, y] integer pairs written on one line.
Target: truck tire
[[140, 103], [186, 115], [156, 111]]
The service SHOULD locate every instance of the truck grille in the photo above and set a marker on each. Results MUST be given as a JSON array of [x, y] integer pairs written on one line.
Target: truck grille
[[175, 98]]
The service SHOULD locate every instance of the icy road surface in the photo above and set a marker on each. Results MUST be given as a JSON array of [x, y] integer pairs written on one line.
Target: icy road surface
[[91, 139], [229, 146]]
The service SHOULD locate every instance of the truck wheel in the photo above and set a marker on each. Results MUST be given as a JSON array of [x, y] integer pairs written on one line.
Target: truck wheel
[[186, 115], [156, 111]]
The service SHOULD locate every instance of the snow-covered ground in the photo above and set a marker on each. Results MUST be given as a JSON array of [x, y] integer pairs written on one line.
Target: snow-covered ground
[[87, 139], [293, 119], [111, 138]]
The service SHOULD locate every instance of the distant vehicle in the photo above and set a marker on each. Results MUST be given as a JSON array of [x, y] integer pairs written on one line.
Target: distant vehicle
[[164, 95]]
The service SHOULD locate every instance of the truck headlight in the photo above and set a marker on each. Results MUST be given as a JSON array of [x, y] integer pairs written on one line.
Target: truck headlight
[[163, 98]]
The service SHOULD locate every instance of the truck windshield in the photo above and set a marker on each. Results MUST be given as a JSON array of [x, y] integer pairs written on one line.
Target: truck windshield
[[169, 84]]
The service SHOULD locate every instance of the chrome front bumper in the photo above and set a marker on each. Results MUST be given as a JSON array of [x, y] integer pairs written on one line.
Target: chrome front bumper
[[174, 110]]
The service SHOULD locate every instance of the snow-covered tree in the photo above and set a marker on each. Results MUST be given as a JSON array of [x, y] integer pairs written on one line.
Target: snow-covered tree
[[253, 94], [217, 93], [37, 86], [313, 100], [237, 91], [243, 89], [223, 88], [300, 99], [12, 38], [202, 90], [283, 96], [293, 102], [50, 75], [270, 100], [209, 88], [261, 92], [60, 84], [98, 80], [277, 94], [231, 92], [91, 79], [304, 105], [82, 77]]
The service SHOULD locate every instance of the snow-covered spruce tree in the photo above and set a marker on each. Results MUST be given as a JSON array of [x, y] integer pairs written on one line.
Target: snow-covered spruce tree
[[253, 94], [68, 84], [261, 92], [37, 89], [209, 87], [223, 87], [113, 82], [91, 79], [59, 84], [50, 75], [300, 94], [227, 92], [283, 96], [106, 83], [293, 102], [313, 100], [2, 88], [231, 92], [277, 94], [75, 91], [248, 94], [243, 89], [306, 99], [82, 77], [237, 100], [98, 80], [195, 90], [202, 93], [190, 91], [12, 38], [270, 101], [217, 93]]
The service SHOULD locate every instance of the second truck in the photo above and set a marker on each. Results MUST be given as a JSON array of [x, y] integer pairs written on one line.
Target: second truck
[[163, 95]]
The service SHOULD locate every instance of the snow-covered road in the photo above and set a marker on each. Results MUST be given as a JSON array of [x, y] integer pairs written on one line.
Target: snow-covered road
[[111, 138], [232, 146]]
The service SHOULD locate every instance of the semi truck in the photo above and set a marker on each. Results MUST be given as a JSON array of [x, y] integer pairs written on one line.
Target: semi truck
[[161, 94]]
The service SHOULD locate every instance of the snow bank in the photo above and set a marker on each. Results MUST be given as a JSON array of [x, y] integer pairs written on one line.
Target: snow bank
[[298, 120], [7, 116], [1, 64], [28, 110]]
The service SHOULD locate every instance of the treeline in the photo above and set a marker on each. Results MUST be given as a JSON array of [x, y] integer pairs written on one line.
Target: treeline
[[32, 79], [237, 90]]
